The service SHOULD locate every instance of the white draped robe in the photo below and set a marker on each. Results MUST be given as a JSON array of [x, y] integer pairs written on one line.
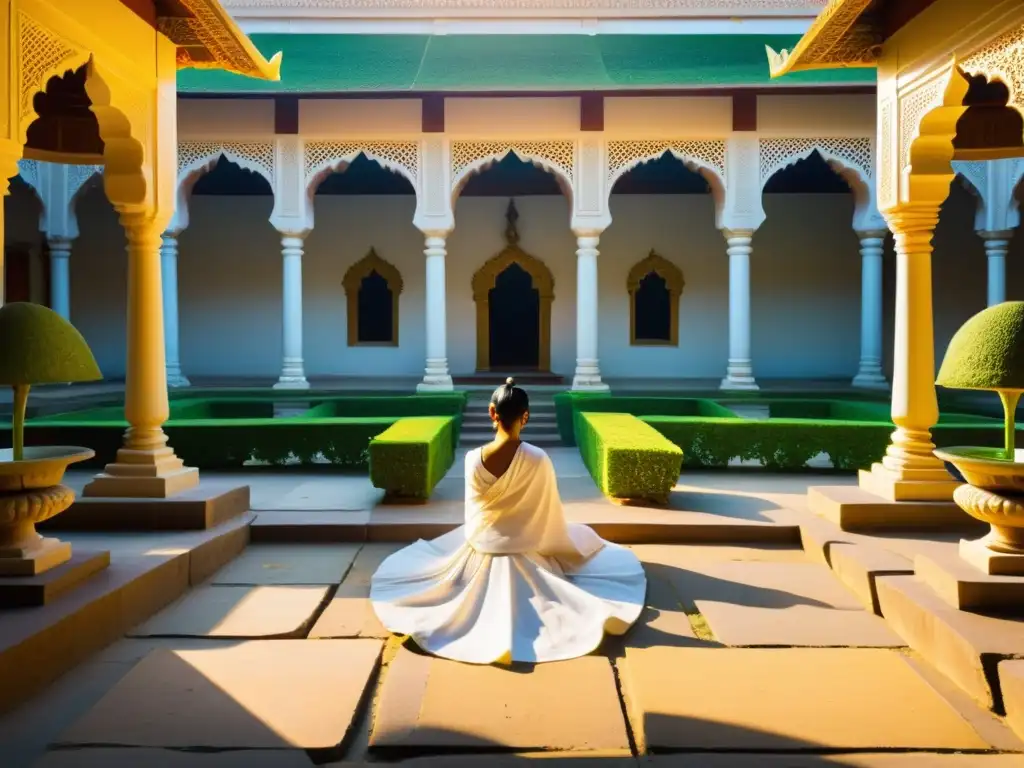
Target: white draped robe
[[516, 582]]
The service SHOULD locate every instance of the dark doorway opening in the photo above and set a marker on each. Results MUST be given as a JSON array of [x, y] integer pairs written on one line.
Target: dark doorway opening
[[653, 307], [376, 312], [514, 306]]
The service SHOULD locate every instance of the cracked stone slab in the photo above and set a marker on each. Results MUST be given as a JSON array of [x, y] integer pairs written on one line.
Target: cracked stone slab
[[787, 700], [92, 757], [427, 702], [269, 564], [277, 694], [212, 611], [749, 603], [350, 613]]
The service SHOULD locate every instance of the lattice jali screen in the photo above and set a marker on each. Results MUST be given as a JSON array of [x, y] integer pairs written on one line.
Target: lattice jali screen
[[41, 55], [400, 156], [255, 156], [79, 176], [623, 156], [1003, 60], [466, 155], [855, 152], [28, 170]]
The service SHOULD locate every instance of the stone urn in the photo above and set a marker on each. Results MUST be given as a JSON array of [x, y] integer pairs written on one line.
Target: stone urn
[[37, 346], [987, 353]]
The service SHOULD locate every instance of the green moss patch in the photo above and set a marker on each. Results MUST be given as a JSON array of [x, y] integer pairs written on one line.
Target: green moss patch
[[626, 457], [410, 457]]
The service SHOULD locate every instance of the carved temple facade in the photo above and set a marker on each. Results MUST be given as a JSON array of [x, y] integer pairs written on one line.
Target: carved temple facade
[[607, 275]]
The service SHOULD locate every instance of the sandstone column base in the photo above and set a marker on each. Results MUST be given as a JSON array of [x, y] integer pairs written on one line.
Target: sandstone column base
[[143, 474], [908, 485]]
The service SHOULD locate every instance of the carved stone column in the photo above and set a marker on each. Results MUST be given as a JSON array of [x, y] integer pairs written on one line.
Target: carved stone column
[[293, 375], [146, 466], [169, 272], [869, 374], [436, 377], [588, 369], [997, 244], [740, 370]]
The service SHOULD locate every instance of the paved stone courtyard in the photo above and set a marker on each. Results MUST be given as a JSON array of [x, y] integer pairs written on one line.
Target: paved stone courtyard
[[752, 653]]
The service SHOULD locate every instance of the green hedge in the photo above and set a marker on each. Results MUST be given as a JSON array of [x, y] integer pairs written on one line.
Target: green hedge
[[410, 457], [225, 432], [627, 458], [567, 404], [788, 444], [219, 444]]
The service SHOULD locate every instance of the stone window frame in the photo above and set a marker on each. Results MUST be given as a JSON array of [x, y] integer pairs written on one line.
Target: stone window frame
[[353, 281], [674, 282]]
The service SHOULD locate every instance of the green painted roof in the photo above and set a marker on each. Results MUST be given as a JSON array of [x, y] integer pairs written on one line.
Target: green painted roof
[[419, 63]]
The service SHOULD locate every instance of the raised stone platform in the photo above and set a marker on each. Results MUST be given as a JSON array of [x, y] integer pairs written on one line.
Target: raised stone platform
[[42, 588], [967, 588], [854, 509], [206, 506]]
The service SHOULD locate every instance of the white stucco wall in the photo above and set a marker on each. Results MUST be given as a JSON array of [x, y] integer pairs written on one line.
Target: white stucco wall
[[805, 275]]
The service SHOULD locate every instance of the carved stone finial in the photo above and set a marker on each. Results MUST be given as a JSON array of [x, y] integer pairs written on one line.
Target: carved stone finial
[[511, 216]]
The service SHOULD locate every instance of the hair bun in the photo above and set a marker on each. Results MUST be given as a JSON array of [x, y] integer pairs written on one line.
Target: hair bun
[[510, 382]]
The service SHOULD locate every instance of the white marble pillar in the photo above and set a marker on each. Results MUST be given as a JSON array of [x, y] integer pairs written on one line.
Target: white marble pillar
[[869, 373], [60, 276], [588, 370], [436, 377], [996, 246], [740, 370], [293, 375], [169, 277]]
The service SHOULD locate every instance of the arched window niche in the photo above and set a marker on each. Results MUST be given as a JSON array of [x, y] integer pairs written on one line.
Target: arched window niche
[[655, 285], [372, 287]]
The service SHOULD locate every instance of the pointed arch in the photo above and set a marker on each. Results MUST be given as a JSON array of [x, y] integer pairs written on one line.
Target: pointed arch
[[484, 280], [469, 158], [672, 276], [353, 282], [323, 158], [852, 158]]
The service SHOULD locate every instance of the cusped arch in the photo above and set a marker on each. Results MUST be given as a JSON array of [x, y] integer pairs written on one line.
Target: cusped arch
[[322, 158], [485, 278], [469, 158], [1000, 61], [852, 158], [706, 158], [43, 55], [674, 282], [352, 282]]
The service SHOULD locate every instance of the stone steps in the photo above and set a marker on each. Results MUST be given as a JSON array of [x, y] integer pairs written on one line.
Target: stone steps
[[541, 431]]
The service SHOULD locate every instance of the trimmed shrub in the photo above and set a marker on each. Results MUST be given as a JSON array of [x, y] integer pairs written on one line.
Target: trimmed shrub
[[626, 457], [788, 444], [568, 403], [412, 455]]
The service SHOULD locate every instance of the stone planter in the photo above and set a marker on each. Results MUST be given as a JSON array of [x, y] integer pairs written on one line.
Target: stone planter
[[31, 492], [994, 494]]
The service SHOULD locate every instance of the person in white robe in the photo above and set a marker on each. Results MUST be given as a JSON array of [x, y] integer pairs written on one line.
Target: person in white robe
[[516, 582]]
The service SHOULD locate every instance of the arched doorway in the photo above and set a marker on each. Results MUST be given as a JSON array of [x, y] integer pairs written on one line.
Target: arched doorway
[[513, 292]]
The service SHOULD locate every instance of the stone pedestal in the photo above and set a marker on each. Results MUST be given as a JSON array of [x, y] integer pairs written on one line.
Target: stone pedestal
[[966, 587], [23, 552], [853, 508]]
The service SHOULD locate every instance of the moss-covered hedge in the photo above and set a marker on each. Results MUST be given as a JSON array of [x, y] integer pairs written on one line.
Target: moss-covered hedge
[[788, 444], [626, 457], [412, 455], [568, 403]]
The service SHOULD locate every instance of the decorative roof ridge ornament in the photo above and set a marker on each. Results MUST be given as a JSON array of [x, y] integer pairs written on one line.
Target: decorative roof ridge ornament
[[212, 29], [511, 216], [839, 37]]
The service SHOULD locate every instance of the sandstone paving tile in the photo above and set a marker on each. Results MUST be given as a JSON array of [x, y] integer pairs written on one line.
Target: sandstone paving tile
[[681, 554], [221, 611], [1011, 682], [350, 613], [278, 694], [855, 760], [267, 564], [663, 620], [751, 603], [786, 700], [345, 493], [426, 702], [129, 757]]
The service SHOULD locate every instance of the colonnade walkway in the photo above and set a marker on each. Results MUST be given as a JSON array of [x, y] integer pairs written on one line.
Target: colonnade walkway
[[771, 639]]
